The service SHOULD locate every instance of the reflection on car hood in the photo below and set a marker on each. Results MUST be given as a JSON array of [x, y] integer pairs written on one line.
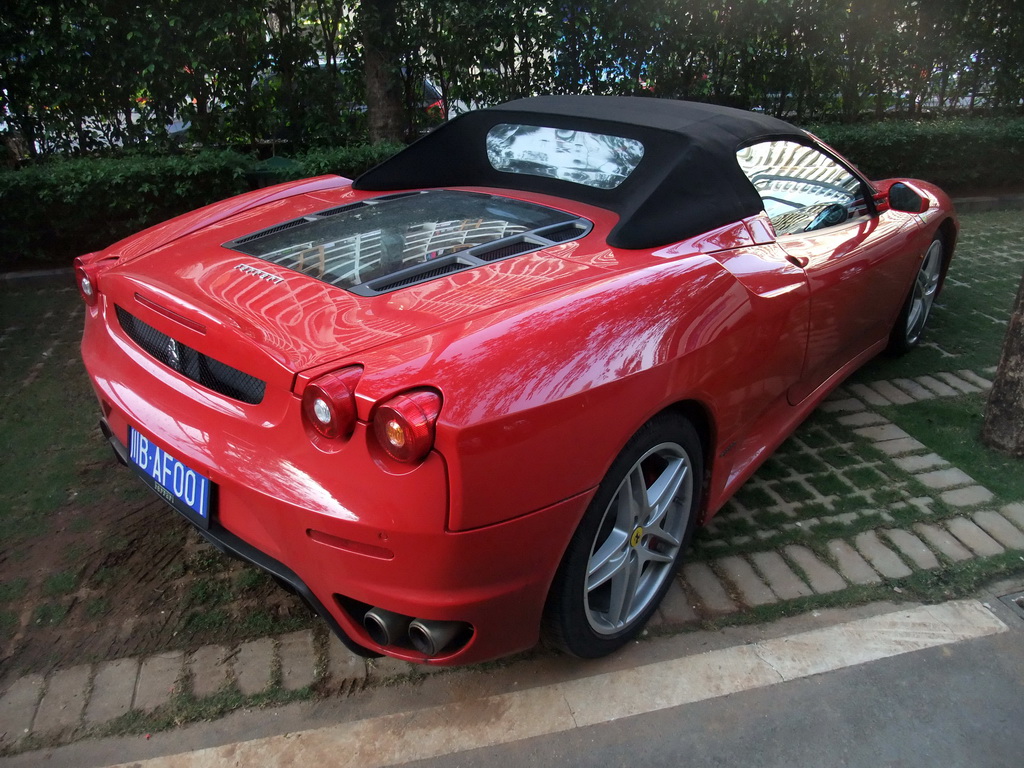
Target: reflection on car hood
[[299, 321]]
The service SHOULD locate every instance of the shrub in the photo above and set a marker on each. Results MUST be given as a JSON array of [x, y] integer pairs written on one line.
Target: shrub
[[962, 156], [56, 210], [53, 211]]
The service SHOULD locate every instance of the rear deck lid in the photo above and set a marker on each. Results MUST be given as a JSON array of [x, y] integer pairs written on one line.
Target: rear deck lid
[[273, 300]]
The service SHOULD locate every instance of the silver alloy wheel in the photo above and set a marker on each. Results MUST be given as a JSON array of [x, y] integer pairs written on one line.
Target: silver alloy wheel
[[638, 539], [925, 287]]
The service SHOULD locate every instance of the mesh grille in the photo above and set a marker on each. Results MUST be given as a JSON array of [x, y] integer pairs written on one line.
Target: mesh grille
[[420, 277], [568, 233], [505, 251], [271, 231], [191, 364]]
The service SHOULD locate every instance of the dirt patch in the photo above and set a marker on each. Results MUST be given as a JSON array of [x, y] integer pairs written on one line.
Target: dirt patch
[[126, 576]]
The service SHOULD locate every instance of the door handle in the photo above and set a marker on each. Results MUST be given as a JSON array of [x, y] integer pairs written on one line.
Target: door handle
[[798, 261]]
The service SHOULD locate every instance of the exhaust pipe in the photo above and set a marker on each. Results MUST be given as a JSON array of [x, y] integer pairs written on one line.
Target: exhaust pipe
[[432, 637], [385, 627]]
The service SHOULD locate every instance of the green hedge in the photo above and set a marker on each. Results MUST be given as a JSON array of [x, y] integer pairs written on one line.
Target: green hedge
[[51, 212], [962, 156]]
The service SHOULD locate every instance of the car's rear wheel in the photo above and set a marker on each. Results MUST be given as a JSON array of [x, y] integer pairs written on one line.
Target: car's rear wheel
[[910, 324], [627, 548]]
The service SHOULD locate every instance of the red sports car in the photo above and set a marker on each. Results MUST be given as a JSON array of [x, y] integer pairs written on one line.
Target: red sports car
[[487, 390]]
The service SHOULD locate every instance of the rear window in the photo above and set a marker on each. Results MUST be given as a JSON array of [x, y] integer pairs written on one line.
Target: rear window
[[389, 242], [591, 159]]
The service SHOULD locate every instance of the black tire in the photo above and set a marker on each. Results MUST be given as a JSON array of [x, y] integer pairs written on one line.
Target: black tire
[[623, 556], [910, 324]]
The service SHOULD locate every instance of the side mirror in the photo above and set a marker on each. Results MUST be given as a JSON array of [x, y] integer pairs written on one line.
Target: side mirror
[[903, 197]]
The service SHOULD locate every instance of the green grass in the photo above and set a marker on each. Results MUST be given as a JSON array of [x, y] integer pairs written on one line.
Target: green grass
[[951, 427], [50, 614], [864, 478], [97, 607], [8, 624], [828, 485], [49, 412], [205, 621], [207, 592], [58, 584], [13, 590], [251, 579]]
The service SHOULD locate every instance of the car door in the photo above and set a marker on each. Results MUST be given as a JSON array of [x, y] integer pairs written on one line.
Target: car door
[[826, 222]]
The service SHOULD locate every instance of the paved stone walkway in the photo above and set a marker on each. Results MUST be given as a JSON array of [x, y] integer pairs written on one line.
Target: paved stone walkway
[[890, 506]]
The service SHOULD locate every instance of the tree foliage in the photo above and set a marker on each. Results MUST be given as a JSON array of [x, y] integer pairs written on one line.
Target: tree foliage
[[84, 74]]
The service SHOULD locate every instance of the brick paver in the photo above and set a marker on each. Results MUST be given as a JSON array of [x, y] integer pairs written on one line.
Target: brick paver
[[973, 378], [62, 705], [675, 607], [298, 660], [971, 496], [18, 708], [881, 432], [973, 537], [915, 464], [708, 588], [210, 669], [914, 389], [882, 559], [868, 395], [1014, 513], [752, 590], [946, 544], [851, 565], [113, 688], [158, 678], [939, 388], [780, 577], [891, 393], [957, 383], [999, 528], [820, 576], [900, 446], [254, 664], [941, 479], [342, 664], [862, 419], [913, 548]]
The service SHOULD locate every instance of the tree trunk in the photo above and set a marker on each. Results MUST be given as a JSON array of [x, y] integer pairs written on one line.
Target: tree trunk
[[383, 81], [1004, 414]]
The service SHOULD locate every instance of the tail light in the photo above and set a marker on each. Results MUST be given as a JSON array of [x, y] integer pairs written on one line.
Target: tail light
[[329, 403], [404, 425], [85, 280]]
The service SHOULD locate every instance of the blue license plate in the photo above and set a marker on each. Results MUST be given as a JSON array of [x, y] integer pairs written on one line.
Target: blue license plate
[[178, 484]]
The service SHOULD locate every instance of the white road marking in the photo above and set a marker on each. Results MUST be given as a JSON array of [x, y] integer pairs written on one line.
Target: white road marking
[[407, 736]]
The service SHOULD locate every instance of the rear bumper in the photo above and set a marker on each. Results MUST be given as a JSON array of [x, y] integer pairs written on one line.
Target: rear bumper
[[343, 530], [226, 542], [496, 579]]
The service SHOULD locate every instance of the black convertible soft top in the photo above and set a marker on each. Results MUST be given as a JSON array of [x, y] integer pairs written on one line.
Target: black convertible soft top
[[687, 182]]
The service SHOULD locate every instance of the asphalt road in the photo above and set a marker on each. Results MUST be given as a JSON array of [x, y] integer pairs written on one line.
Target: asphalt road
[[958, 705]]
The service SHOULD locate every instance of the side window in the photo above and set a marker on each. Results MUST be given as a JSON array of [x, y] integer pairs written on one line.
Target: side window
[[802, 188]]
